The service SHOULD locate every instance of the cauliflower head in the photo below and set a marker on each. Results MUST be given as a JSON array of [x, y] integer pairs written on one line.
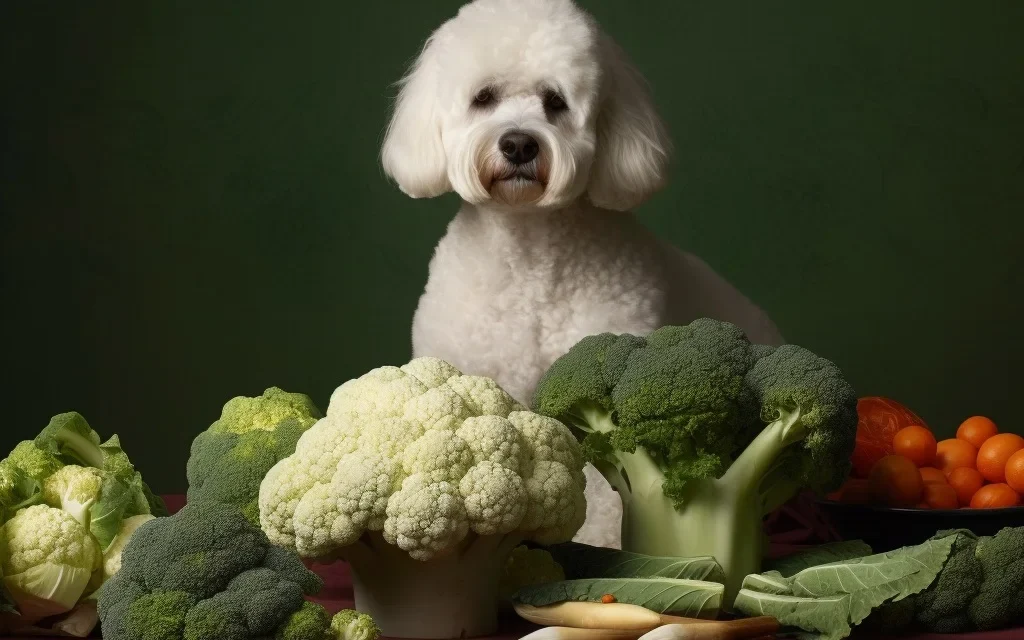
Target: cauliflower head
[[49, 561], [425, 455]]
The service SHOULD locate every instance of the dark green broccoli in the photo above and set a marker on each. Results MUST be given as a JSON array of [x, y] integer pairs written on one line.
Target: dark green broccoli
[[978, 589], [703, 433], [207, 572], [999, 602], [229, 460], [943, 607]]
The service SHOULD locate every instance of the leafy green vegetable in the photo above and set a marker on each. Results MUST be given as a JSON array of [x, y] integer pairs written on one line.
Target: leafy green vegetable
[[581, 561], [830, 599], [822, 554], [689, 598]]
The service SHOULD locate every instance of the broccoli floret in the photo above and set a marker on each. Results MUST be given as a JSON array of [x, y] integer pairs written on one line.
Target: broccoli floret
[[703, 434], [206, 572], [310, 622], [350, 624], [999, 603], [943, 607], [978, 589], [229, 460]]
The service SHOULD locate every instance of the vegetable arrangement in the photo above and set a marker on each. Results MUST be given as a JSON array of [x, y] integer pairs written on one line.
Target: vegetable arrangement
[[980, 468], [68, 504], [449, 500]]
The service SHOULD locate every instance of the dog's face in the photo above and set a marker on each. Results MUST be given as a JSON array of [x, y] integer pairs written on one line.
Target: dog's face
[[525, 104]]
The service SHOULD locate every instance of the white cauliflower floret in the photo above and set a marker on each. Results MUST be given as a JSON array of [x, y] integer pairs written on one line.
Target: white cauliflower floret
[[426, 518], [334, 515], [324, 444], [494, 439], [548, 439], [74, 489], [495, 498], [438, 408], [556, 511], [49, 561], [484, 396], [440, 456]]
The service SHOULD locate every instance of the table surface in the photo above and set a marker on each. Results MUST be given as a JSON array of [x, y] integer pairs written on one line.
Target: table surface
[[337, 595]]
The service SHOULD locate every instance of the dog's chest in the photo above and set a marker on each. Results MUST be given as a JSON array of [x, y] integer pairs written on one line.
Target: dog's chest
[[510, 320]]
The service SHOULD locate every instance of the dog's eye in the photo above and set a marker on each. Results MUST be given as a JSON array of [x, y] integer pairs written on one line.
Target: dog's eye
[[554, 102], [483, 98]]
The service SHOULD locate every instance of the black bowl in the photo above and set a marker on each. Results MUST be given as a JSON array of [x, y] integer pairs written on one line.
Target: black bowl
[[886, 528]]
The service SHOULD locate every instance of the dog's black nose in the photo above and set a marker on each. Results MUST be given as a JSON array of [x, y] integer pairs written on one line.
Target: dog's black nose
[[518, 147]]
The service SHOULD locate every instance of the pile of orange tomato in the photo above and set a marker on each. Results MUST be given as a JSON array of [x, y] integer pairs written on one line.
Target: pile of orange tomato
[[899, 463]]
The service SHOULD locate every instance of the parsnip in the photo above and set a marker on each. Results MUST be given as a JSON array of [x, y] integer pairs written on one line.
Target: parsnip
[[591, 615]]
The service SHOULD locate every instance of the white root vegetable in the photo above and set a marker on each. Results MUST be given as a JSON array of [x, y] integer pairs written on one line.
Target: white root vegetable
[[576, 633], [591, 615], [740, 629]]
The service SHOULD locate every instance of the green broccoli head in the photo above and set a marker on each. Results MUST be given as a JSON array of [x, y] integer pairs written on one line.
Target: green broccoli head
[[944, 606], [817, 409], [204, 572], [679, 394], [230, 459], [703, 433], [998, 603]]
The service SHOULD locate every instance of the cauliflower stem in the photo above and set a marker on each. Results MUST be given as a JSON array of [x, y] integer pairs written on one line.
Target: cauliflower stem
[[454, 595]]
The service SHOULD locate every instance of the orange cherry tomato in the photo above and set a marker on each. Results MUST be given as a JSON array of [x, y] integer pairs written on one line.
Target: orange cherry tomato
[[1014, 471], [896, 482], [952, 454], [965, 481], [916, 443], [941, 496], [931, 474], [994, 454], [976, 430], [995, 496]]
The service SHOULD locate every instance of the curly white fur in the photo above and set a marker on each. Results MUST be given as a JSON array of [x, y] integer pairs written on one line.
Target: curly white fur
[[543, 253]]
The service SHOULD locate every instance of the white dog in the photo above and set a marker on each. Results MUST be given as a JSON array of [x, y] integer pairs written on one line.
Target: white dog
[[538, 121]]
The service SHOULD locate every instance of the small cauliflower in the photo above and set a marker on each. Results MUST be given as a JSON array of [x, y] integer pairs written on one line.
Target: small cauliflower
[[424, 479], [229, 459], [49, 562]]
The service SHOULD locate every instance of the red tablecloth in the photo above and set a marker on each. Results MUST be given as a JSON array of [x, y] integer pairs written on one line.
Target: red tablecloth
[[337, 595]]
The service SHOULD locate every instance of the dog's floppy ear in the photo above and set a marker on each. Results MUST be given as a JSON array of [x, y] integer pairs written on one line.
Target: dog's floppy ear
[[412, 154], [633, 146]]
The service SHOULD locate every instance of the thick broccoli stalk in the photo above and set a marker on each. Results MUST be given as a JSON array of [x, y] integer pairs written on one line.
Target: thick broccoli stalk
[[703, 434], [207, 572], [424, 480], [229, 460]]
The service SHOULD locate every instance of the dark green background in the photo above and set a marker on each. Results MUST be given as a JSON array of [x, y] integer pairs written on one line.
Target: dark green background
[[193, 209]]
